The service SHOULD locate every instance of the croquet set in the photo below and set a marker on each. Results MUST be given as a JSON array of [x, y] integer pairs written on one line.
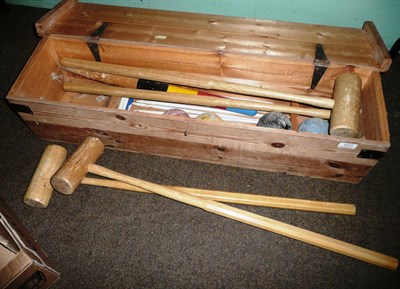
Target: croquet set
[[284, 97], [144, 80]]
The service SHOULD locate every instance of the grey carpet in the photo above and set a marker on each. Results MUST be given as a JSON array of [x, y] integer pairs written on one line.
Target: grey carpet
[[104, 238]]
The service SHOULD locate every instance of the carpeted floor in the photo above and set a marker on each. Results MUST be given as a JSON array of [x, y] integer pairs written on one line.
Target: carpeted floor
[[103, 238]]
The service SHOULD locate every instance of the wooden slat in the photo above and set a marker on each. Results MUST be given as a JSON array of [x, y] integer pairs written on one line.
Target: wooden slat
[[44, 24], [221, 24], [35, 81], [267, 72], [209, 40], [208, 63], [242, 136], [374, 110], [285, 40], [379, 50], [210, 153]]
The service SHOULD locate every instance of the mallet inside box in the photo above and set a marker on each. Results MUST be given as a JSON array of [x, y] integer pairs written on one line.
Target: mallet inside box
[[270, 55]]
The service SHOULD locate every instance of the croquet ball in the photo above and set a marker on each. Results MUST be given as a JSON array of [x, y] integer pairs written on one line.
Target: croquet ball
[[275, 120], [211, 116], [314, 125], [176, 112]]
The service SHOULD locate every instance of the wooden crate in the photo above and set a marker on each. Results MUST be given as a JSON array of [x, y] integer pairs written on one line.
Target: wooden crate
[[271, 54]]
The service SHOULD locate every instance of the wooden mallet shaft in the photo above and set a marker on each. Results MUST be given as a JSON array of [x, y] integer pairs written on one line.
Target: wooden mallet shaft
[[40, 190], [106, 78], [187, 79], [239, 198], [61, 183], [255, 220], [190, 99]]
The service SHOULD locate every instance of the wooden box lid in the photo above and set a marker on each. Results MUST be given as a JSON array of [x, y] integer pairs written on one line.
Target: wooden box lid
[[264, 38]]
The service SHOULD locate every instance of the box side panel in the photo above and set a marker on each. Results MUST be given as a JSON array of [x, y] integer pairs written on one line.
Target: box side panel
[[122, 121], [218, 154], [374, 110], [270, 73], [233, 145], [379, 50], [40, 77]]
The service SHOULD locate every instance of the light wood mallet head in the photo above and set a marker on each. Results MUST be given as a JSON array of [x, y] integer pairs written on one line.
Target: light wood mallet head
[[40, 191], [345, 115], [75, 168]]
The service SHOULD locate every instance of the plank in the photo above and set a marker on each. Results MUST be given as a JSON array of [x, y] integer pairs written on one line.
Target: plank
[[194, 151], [35, 80], [227, 43], [266, 72], [243, 137], [379, 50], [222, 24], [44, 24], [374, 110], [209, 40], [220, 33]]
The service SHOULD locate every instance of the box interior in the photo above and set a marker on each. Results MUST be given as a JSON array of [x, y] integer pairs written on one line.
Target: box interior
[[42, 77]]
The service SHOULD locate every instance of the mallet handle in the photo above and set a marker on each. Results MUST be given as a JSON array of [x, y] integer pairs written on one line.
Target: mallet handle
[[255, 220], [191, 99], [192, 80], [239, 198]]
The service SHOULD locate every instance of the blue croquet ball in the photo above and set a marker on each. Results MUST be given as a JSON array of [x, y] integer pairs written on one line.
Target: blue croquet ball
[[314, 125]]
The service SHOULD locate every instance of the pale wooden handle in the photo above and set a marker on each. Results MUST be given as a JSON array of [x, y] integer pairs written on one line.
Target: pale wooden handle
[[193, 81], [256, 220], [190, 99], [240, 198], [106, 78]]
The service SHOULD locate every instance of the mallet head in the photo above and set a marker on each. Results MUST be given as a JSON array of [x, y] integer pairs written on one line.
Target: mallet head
[[345, 116], [75, 168], [40, 190]]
